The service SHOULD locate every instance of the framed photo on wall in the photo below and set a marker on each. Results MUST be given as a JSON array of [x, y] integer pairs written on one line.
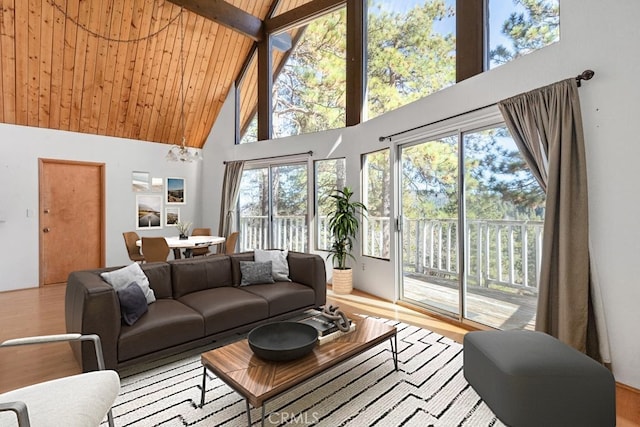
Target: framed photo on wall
[[157, 185], [171, 216], [148, 212], [139, 181], [176, 191]]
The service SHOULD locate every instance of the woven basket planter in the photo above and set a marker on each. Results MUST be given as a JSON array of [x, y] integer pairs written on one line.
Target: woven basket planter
[[342, 281]]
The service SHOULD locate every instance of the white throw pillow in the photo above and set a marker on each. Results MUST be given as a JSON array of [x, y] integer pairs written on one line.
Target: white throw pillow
[[122, 277], [279, 264]]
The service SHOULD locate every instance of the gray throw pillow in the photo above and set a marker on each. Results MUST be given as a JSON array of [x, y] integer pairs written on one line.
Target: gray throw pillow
[[254, 273], [279, 263], [121, 278], [133, 303]]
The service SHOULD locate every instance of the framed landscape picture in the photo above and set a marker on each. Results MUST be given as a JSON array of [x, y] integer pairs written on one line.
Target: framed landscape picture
[[157, 185], [140, 181], [148, 212], [171, 216], [176, 191]]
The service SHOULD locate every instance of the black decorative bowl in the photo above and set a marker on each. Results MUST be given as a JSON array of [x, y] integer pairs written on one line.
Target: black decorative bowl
[[282, 341]]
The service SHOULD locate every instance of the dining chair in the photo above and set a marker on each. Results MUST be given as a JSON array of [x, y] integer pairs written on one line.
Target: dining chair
[[155, 249], [230, 243], [201, 232], [76, 400], [130, 238]]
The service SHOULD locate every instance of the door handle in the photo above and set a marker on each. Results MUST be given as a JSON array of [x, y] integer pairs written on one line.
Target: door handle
[[46, 229]]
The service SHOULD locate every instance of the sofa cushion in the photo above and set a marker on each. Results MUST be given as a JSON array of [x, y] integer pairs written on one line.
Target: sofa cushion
[[227, 307], [284, 296], [159, 275], [193, 275], [133, 303], [121, 278], [167, 323], [279, 263], [254, 273]]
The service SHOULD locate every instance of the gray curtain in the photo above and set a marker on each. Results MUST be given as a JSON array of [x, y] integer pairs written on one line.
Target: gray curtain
[[546, 124], [230, 190]]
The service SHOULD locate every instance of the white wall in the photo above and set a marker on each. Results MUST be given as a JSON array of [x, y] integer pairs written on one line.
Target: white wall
[[602, 36], [21, 147]]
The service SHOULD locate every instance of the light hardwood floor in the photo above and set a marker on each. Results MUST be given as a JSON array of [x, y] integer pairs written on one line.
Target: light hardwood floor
[[40, 311]]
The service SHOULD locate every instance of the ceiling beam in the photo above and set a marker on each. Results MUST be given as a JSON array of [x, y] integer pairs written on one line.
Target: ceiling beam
[[301, 15], [225, 14]]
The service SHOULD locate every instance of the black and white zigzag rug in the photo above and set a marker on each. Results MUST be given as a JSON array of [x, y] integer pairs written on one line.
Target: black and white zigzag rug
[[429, 389]]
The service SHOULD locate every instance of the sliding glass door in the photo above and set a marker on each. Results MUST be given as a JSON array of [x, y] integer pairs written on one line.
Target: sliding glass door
[[471, 228], [273, 204], [429, 232]]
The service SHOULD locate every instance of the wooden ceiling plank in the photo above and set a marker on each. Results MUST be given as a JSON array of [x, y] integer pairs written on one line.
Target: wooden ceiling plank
[[57, 65], [84, 13], [117, 57], [172, 129], [192, 26], [225, 14], [33, 65], [192, 68], [217, 96], [119, 110], [68, 61], [166, 79], [94, 70], [8, 42], [300, 15], [216, 99], [22, 62], [45, 58], [148, 25], [201, 87], [171, 88], [106, 62], [156, 65], [101, 66]]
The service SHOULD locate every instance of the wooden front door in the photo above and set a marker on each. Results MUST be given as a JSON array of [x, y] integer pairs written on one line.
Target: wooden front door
[[71, 218]]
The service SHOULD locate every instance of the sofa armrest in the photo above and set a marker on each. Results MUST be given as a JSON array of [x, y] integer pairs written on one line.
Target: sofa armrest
[[92, 307], [309, 270]]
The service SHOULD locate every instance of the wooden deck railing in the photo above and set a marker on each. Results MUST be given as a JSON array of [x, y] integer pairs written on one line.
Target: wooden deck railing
[[499, 252]]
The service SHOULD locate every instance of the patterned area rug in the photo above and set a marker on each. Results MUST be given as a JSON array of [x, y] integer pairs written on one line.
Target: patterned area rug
[[428, 390]]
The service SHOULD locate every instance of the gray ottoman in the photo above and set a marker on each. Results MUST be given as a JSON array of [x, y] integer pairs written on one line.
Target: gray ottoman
[[532, 379]]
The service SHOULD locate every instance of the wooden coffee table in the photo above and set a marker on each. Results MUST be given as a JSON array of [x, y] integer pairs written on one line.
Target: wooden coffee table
[[259, 381]]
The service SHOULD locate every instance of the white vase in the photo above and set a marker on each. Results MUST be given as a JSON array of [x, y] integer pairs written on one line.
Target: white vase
[[342, 281]]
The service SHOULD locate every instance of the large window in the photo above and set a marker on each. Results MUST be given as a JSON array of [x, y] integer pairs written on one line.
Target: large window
[[309, 88], [330, 175], [376, 183], [273, 207], [411, 52], [520, 27]]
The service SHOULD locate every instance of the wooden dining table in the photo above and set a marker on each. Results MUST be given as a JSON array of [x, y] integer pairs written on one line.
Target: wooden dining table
[[188, 244]]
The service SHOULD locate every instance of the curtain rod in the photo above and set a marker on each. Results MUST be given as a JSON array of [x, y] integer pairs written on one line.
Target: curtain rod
[[310, 153], [585, 75]]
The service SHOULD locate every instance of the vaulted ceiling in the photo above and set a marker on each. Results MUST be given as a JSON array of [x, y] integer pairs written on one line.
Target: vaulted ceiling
[[113, 67]]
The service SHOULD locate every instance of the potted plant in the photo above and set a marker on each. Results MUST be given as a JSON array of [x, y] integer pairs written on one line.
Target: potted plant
[[343, 226]]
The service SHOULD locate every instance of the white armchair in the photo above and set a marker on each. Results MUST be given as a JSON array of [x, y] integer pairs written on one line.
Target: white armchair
[[77, 400]]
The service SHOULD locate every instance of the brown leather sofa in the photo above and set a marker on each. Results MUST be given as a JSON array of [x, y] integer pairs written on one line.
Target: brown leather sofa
[[197, 302]]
